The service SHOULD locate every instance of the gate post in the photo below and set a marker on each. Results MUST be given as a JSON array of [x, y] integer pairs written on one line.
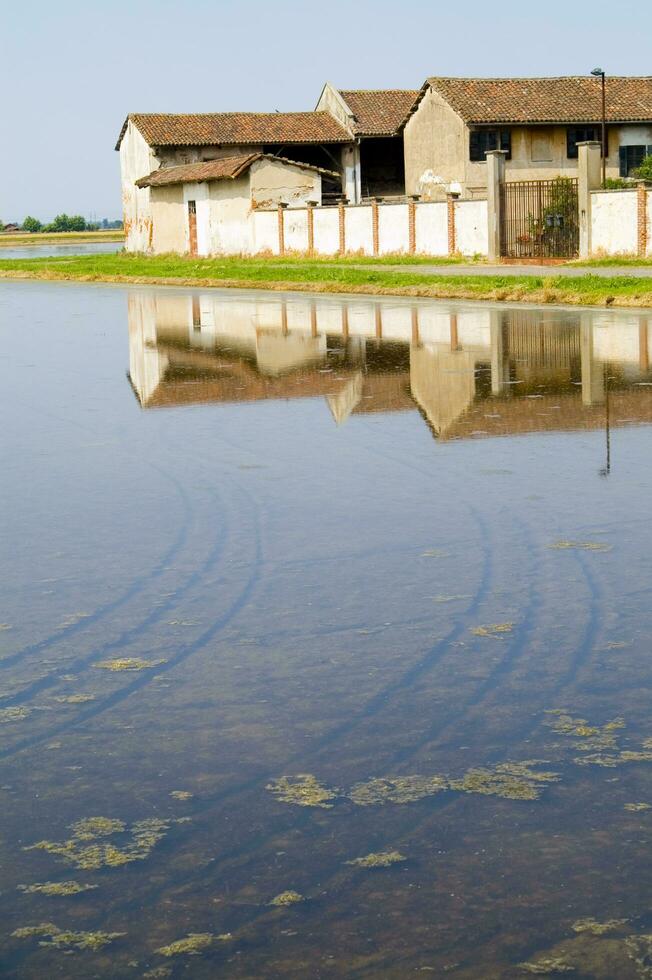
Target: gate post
[[495, 177], [589, 178]]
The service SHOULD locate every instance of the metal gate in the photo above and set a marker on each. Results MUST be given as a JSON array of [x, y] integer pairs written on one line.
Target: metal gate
[[539, 219]]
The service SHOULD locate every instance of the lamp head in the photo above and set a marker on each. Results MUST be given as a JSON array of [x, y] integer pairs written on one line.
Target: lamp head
[[598, 72]]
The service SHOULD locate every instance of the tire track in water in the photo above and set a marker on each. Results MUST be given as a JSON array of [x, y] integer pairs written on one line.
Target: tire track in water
[[185, 652], [64, 633]]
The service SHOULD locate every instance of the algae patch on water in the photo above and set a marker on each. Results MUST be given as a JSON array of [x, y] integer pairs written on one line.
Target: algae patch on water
[[492, 629], [128, 663], [193, 944], [597, 928], [382, 859], [75, 698], [181, 794], [56, 888], [66, 939], [13, 714], [287, 898], [510, 780], [579, 546], [396, 789], [89, 848], [303, 790], [547, 966], [636, 807]]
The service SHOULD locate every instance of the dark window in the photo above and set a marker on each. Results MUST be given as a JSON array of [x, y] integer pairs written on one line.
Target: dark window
[[631, 158], [582, 134], [192, 207], [483, 140]]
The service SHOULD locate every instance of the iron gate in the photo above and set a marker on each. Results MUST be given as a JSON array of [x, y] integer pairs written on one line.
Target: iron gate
[[539, 219]]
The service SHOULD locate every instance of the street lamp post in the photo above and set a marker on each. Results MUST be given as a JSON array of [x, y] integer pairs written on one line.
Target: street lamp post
[[599, 73]]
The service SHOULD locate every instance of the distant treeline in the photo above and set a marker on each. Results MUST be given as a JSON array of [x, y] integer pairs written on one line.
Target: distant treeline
[[62, 222]]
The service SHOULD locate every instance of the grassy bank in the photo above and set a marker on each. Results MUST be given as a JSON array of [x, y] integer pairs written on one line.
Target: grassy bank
[[331, 276], [61, 237]]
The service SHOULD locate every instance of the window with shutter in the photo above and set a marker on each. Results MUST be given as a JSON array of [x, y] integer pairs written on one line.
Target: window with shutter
[[581, 134], [631, 157], [483, 140]]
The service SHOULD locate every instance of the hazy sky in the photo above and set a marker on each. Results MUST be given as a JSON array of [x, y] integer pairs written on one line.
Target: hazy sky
[[70, 71]]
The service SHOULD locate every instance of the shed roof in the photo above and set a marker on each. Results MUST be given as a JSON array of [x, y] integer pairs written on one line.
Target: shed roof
[[181, 129], [225, 168], [379, 112], [546, 100]]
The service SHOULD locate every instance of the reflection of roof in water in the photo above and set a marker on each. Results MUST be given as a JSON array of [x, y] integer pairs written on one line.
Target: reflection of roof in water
[[195, 377], [559, 412]]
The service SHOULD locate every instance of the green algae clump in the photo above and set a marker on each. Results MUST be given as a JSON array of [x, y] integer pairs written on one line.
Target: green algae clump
[[597, 928], [75, 698], [636, 807], [56, 888], [383, 859], [396, 789], [128, 663], [302, 790], [547, 966], [89, 850], [13, 714], [193, 944], [492, 629], [287, 898], [66, 939], [510, 780], [181, 794]]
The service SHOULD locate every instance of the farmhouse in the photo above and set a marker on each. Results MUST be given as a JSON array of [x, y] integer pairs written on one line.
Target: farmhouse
[[537, 121]]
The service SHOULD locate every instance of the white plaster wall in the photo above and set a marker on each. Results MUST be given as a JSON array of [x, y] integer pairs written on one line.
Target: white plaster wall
[[199, 194], [296, 229], [229, 232], [136, 160], [359, 230], [327, 230], [614, 222], [471, 231], [393, 228], [265, 232], [431, 226], [274, 182]]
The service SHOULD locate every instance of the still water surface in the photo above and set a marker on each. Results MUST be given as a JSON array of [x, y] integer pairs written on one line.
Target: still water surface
[[295, 582], [72, 249]]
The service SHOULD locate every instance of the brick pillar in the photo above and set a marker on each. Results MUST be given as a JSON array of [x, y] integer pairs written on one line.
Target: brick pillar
[[374, 226], [455, 341], [345, 322], [284, 318], [379, 323], [281, 228], [415, 326], [313, 319], [641, 216], [412, 225], [342, 217], [311, 228], [450, 204]]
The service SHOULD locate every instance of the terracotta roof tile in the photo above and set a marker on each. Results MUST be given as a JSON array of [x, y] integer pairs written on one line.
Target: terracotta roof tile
[[546, 100], [379, 112], [225, 168], [168, 129]]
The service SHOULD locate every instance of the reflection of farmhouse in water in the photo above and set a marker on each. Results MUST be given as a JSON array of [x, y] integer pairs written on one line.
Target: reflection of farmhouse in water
[[470, 372]]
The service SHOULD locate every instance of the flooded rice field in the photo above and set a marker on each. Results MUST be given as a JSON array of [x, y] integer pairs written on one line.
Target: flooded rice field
[[71, 249], [325, 643]]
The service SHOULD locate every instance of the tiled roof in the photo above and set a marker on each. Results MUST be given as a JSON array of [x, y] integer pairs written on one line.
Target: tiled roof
[[226, 168], [546, 100], [379, 112], [167, 129]]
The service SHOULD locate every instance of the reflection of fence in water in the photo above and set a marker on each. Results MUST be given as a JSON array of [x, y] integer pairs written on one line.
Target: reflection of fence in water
[[552, 344]]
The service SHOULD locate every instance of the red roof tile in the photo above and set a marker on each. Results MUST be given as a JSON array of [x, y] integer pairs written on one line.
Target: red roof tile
[[379, 112], [225, 168], [237, 128], [546, 100]]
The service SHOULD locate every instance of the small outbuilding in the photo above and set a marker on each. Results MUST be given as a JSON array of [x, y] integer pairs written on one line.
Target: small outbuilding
[[204, 208]]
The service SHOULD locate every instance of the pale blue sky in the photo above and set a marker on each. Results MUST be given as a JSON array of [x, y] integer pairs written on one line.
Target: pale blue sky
[[70, 71]]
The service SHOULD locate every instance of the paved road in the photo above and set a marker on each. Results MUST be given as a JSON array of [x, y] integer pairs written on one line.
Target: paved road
[[607, 272]]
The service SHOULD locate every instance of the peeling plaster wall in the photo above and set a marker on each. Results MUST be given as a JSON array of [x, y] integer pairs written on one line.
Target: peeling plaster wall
[[275, 182], [434, 140], [169, 220], [614, 222], [137, 159]]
